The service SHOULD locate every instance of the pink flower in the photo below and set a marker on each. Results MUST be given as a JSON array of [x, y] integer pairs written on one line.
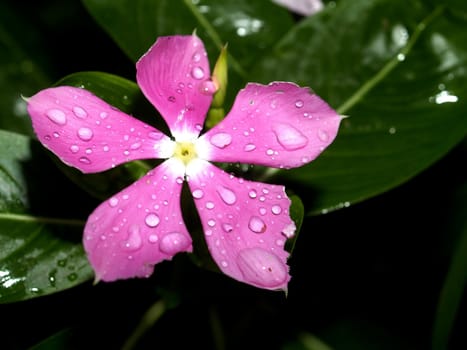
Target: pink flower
[[245, 223]]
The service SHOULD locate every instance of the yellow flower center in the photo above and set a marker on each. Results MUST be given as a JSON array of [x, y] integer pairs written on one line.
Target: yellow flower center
[[185, 151]]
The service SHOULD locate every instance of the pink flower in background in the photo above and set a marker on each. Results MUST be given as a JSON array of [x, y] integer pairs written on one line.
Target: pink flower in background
[[245, 223], [302, 7]]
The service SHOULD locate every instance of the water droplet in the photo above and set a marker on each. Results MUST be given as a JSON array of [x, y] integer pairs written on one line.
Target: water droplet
[[276, 209], [196, 57], [155, 135], [153, 238], [103, 115], [208, 87], [224, 263], [62, 262], [227, 227], [171, 99], [85, 134], [113, 201], [299, 103], [262, 268], [227, 195], [134, 240], [57, 116], [289, 230], [323, 135], [252, 194], [197, 73], [257, 225], [198, 193], [79, 112], [85, 160], [289, 137], [280, 242], [74, 149], [221, 140], [106, 148], [56, 134], [135, 146], [173, 243], [269, 152], [209, 205], [152, 220], [211, 222], [249, 147], [72, 277]]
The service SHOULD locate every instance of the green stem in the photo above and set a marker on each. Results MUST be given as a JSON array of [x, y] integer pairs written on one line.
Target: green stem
[[41, 219], [154, 313], [370, 84], [214, 37]]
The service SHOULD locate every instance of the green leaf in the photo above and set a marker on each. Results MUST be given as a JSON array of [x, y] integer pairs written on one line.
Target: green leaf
[[249, 27], [297, 213], [399, 73], [20, 72], [40, 255]]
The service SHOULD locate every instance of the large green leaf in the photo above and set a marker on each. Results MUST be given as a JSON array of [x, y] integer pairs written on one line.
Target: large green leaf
[[250, 27], [40, 255], [398, 69]]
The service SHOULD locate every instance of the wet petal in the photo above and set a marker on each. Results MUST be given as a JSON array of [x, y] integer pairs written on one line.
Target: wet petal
[[89, 134], [279, 125], [174, 75], [245, 223], [139, 227]]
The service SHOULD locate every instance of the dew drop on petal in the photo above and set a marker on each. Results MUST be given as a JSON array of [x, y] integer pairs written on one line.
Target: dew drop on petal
[[198, 193], [211, 222], [252, 194], [227, 195], [134, 240], [85, 134], [113, 201], [249, 147], [227, 227], [57, 116], [152, 220], [85, 160], [173, 243], [74, 149], [221, 139], [276, 209], [261, 267], [209, 205], [289, 137], [153, 238], [196, 57], [79, 112], [208, 87], [257, 225], [299, 103], [103, 115], [289, 230], [323, 135], [197, 73]]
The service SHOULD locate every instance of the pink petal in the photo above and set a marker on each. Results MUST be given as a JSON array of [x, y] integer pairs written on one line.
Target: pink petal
[[139, 227], [174, 75], [245, 223], [280, 125], [89, 134]]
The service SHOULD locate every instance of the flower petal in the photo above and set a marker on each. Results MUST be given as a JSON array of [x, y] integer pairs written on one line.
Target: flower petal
[[139, 227], [89, 134], [280, 125], [174, 75], [245, 224]]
